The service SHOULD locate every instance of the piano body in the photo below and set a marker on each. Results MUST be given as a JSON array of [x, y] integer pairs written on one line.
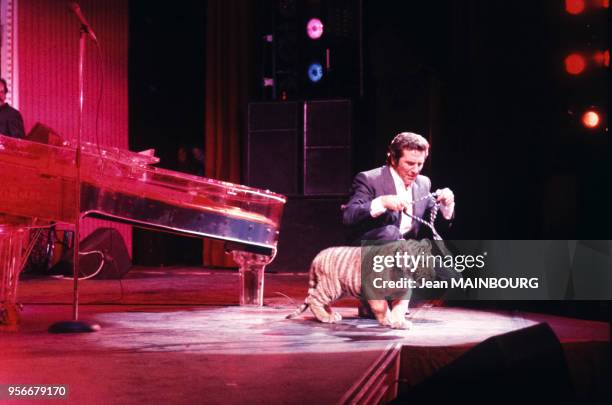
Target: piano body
[[39, 182]]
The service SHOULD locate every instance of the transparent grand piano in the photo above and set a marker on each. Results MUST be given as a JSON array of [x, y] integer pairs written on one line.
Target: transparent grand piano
[[39, 186]]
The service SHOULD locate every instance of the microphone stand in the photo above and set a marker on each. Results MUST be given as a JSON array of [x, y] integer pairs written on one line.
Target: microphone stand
[[75, 325]]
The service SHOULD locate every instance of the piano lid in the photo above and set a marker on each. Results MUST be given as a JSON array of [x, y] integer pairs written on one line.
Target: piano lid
[[122, 184]]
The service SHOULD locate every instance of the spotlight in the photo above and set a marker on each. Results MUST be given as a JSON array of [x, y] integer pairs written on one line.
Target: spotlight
[[315, 72], [574, 64], [591, 119], [574, 7], [602, 58], [314, 28]]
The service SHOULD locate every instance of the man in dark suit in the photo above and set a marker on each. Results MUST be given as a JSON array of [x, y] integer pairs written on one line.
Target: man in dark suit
[[385, 200], [11, 122]]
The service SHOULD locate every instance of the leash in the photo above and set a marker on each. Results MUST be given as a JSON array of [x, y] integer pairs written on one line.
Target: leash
[[433, 214]]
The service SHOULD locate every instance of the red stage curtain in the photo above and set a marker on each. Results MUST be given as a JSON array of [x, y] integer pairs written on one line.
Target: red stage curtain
[[47, 60], [229, 42]]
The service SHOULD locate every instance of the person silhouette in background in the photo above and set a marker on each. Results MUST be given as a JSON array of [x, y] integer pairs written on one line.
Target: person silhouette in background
[[11, 122]]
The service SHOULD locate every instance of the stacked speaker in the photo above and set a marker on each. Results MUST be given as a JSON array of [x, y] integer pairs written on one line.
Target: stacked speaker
[[300, 148]]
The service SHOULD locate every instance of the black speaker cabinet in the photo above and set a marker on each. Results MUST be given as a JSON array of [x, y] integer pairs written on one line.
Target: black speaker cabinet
[[523, 366], [309, 225], [104, 246], [300, 148], [327, 147], [272, 147]]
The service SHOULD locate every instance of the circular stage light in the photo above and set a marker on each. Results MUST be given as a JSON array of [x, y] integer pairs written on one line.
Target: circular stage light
[[315, 72], [591, 119], [574, 6], [602, 58], [574, 64], [314, 28]]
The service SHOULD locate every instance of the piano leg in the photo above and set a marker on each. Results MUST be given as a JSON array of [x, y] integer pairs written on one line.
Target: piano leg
[[251, 276], [14, 238]]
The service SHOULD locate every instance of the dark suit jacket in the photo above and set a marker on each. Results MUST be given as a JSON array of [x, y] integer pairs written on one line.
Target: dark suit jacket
[[11, 122], [374, 183]]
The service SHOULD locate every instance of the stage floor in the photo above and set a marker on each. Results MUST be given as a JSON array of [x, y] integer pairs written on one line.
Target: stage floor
[[177, 335]]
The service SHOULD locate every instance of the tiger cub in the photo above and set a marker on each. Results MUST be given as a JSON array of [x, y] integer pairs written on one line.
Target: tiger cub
[[336, 272]]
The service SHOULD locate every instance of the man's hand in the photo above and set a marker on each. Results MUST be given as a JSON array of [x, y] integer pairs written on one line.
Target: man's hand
[[393, 202], [445, 196]]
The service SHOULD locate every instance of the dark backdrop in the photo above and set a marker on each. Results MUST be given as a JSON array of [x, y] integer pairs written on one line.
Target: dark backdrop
[[483, 80], [166, 100], [167, 58]]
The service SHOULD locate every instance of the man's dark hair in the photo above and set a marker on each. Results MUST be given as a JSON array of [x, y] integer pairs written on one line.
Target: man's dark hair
[[5, 85], [406, 140]]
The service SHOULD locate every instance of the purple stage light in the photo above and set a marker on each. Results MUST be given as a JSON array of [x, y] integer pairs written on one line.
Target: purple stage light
[[314, 28]]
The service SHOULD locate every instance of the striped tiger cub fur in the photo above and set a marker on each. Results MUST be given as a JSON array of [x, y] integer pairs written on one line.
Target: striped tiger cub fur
[[336, 272]]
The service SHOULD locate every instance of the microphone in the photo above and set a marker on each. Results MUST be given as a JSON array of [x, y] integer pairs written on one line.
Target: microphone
[[77, 11]]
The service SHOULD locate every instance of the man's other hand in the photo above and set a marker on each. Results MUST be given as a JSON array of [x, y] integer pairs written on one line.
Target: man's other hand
[[445, 196]]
